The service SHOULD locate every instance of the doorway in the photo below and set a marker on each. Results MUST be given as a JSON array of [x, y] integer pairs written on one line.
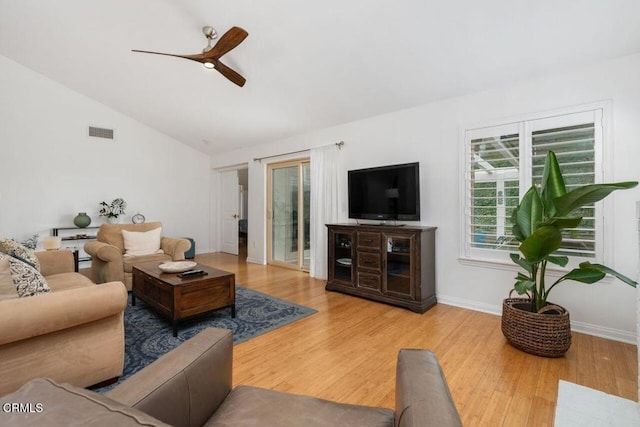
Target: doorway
[[243, 192], [288, 219], [234, 185]]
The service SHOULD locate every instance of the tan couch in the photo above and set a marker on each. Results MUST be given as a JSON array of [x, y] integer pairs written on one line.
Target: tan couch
[[108, 262], [192, 386], [73, 334]]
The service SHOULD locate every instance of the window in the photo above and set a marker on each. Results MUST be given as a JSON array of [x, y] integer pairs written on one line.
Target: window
[[503, 161]]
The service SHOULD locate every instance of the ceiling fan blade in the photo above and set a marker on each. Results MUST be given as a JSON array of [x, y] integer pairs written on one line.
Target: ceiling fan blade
[[228, 41], [199, 57], [229, 73]]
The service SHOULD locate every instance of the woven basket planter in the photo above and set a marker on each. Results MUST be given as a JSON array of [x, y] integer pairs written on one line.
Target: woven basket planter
[[546, 333]]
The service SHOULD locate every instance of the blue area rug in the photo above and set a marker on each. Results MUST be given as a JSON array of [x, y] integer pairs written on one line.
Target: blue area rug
[[148, 335]]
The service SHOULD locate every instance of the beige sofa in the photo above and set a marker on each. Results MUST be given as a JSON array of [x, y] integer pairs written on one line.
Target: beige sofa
[[109, 262], [73, 334], [192, 386]]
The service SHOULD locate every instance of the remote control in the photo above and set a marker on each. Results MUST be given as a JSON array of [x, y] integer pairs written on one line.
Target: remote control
[[191, 273]]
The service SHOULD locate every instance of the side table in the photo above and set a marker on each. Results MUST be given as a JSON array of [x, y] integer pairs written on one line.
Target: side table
[[72, 234]]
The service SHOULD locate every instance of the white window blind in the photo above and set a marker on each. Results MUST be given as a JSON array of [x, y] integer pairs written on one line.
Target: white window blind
[[494, 189], [502, 162]]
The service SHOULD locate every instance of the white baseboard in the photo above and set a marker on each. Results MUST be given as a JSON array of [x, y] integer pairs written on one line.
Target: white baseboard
[[584, 328], [256, 261], [470, 304], [604, 332]]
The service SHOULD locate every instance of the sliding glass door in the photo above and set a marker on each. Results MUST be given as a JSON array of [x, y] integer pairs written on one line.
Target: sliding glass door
[[288, 221]]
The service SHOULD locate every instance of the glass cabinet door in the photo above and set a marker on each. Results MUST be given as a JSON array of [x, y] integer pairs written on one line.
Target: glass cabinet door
[[399, 266], [342, 267]]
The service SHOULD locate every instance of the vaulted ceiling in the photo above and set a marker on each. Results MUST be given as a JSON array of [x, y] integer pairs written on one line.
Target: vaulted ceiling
[[308, 65]]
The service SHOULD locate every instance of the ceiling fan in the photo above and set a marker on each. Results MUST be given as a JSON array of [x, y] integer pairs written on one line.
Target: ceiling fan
[[210, 56]]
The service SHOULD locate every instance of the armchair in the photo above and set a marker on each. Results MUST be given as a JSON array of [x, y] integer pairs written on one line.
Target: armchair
[[108, 260]]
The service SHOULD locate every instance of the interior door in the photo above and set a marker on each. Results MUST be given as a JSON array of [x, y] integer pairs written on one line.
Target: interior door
[[229, 209]]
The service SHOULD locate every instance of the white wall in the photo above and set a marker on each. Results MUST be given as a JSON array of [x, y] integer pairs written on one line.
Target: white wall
[[638, 300], [430, 134], [50, 169]]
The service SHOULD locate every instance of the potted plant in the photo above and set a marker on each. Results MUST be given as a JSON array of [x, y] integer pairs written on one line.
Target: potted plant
[[113, 210], [534, 324]]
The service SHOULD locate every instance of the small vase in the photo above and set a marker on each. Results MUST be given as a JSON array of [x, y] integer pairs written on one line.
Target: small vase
[[82, 220], [113, 219]]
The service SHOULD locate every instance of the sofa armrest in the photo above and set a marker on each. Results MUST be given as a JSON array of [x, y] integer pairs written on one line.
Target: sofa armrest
[[175, 247], [54, 262], [185, 386], [103, 251], [23, 318], [422, 392]]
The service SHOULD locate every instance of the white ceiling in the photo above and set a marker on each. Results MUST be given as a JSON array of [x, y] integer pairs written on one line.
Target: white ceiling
[[308, 65]]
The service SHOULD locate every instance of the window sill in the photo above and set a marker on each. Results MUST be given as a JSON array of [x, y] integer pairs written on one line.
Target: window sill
[[552, 271], [488, 263]]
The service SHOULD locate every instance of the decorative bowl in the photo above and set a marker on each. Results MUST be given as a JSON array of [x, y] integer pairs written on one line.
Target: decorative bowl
[[176, 266]]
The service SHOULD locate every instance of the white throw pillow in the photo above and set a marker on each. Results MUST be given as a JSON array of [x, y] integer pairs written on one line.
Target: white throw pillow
[[141, 242]]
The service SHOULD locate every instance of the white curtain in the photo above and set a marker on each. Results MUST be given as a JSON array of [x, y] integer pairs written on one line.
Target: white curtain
[[324, 204]]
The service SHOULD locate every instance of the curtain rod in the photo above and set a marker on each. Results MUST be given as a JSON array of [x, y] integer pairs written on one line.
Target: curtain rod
[[259, 159]]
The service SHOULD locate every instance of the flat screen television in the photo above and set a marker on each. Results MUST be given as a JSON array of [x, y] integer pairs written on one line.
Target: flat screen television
[[385, 193]]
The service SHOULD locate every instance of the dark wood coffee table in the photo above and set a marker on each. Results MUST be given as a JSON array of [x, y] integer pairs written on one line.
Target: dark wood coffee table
[[178, 298]]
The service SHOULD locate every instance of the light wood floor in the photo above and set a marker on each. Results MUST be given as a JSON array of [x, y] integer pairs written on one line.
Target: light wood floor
[[347, 351]]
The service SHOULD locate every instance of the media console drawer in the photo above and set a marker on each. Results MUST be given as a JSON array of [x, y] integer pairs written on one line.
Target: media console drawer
[[369, 240], [369, 281], [369, 260]]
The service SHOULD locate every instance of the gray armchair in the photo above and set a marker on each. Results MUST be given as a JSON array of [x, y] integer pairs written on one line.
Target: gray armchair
[[192, 386]]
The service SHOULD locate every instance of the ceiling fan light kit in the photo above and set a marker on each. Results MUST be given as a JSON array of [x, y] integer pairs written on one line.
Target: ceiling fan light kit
[[209, 32], [210, 56]]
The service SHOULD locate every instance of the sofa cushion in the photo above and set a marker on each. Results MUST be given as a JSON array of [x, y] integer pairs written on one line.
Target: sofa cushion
[[44, 402], [16, 250], [141, 242], [7, 288], [27, 280], [64, 281], [130, 261], [252, 406]]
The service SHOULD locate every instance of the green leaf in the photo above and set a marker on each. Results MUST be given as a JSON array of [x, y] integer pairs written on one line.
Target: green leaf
[[563, 222], [558, 260], [522, 262], [522, 286], [515, 230], [529, 212], [583, 275], [552, 184], [540, 244], [586, 195], [606, 270]]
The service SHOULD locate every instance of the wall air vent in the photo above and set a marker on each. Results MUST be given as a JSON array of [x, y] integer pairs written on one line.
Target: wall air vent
[[100, 132]]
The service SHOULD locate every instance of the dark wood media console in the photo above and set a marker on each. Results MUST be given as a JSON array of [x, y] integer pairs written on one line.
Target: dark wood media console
[[390, 264]]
